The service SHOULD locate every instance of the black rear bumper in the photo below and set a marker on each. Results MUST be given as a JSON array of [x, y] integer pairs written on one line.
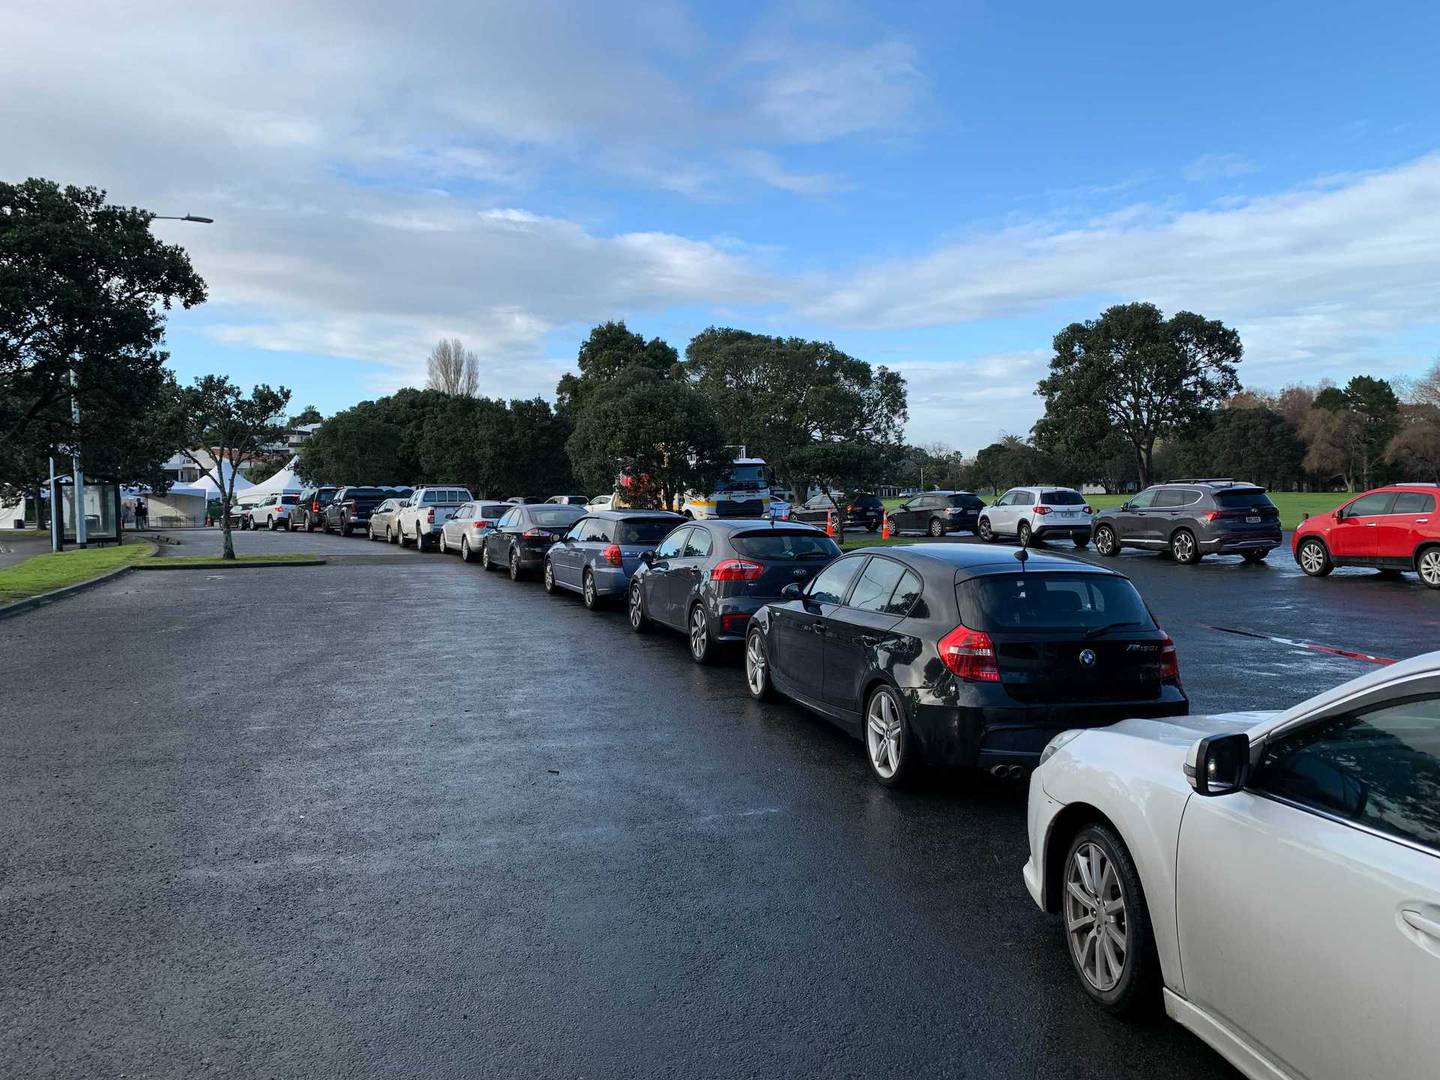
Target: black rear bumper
[[981, 736]]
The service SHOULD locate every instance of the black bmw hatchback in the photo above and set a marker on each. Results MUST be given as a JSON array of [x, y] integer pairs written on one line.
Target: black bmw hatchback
[[959, 655], [708, 578]]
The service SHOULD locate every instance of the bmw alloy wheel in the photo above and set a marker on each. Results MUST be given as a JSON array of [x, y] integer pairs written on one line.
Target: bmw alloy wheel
[[1095, 917], [884, 735], [757, 667]]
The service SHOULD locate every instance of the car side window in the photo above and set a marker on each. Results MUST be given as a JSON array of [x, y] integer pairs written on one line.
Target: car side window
[[1413, 502], [1371, 505], [698, 543], [673, 544], [829, 586], [905, 595], [600, 531], [1168, 498], [876, 584], [1380, 769], [1144, 500]]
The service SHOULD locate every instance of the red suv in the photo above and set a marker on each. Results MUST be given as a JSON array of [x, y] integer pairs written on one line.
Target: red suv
[[1390, 528]]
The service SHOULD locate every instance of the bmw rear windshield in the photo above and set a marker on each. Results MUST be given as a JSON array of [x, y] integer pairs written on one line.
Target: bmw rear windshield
[[644, 530], [784, 544], [1243, 500], [1040, 602]]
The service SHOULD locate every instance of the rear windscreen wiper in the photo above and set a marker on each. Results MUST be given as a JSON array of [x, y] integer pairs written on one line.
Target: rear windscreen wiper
[[1108, 627]]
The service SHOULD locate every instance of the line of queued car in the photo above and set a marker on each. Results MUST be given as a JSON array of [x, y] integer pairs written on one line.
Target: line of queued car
[[1270, 880]]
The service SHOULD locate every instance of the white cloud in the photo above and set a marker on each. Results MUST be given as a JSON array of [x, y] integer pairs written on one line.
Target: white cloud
[[1310, 277], [1217, 167]]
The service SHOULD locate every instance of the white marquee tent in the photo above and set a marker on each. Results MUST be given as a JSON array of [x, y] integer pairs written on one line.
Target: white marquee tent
[[283, 482]]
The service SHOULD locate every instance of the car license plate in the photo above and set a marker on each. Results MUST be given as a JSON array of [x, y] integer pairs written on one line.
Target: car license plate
[[1253, 519]]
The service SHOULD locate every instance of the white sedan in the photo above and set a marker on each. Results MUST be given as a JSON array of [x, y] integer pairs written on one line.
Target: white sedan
[[1274, 878]]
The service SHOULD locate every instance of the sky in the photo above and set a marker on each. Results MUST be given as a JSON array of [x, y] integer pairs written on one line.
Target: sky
[[936, 187]]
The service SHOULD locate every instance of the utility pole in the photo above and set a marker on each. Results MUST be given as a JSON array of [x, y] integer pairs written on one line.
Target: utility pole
[[79, 489]]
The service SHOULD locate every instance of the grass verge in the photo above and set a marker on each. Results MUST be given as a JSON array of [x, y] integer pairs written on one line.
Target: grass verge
[[55, 570], [214, 562], [1293, 505]]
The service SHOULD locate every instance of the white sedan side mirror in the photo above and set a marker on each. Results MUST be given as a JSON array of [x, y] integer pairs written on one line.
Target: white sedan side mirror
[[1219, 764]]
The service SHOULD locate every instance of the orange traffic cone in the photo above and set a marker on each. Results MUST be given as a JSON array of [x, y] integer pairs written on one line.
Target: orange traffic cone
[[885, 525], [829, 523]]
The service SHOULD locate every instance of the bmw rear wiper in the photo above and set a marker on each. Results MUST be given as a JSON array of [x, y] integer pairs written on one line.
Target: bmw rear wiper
[[1108, 627]]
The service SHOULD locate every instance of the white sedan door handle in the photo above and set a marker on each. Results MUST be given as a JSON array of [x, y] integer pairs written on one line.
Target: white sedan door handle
[[1416, 921]]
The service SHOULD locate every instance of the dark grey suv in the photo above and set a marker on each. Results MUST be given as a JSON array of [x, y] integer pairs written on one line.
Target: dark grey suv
[[1191, 519]]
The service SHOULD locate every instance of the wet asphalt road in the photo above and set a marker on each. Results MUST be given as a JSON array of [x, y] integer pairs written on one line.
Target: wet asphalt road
[[395, 816]]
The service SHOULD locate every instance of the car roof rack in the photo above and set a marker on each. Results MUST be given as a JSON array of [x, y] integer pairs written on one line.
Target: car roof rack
[[1209, 480], [1416, 483]]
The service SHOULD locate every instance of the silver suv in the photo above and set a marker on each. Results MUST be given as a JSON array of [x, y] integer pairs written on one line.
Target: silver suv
[[1190, 519]]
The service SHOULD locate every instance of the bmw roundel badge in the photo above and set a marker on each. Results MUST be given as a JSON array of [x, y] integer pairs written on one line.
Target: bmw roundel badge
[[1087, 657]]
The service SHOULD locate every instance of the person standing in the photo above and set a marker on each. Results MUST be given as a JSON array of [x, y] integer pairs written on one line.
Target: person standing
[[142, 515]]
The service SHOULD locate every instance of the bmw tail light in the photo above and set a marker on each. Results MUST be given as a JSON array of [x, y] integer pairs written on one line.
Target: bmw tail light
[[1169, 661], [736, 570], [612, 554], [1042, 509], [970, 654]]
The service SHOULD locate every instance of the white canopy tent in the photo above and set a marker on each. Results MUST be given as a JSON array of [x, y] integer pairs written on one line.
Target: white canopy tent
[[286, 481]]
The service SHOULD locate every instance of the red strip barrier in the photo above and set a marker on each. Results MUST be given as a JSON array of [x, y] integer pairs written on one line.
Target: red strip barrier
[[1329, 650]]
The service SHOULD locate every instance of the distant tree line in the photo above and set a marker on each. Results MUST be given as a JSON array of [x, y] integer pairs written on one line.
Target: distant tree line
[[633, 409], [1133, 397]]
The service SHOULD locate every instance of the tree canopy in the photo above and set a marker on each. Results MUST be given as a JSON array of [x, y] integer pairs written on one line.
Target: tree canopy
[[654, 429], [780, 397], [1134, 371], [84, 286]]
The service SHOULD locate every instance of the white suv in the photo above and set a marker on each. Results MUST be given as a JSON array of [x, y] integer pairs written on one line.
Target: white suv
[[1032, 514], [1273, 878]]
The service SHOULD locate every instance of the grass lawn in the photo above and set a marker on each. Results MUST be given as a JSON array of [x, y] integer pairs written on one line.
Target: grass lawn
[[202, 562], [55, 570], [1293, 505]]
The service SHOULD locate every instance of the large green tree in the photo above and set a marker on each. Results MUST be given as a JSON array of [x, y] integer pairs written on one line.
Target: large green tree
[[374, 442], [655, 430], [84, 287], [779, 397], [230, 426], [1134, 371], [609, 352]]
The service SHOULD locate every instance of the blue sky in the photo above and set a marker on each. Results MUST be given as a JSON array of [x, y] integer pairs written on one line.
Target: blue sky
[[935, 187]]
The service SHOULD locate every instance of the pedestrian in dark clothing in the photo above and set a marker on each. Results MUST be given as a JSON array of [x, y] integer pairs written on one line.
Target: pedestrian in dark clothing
[[141, 514]]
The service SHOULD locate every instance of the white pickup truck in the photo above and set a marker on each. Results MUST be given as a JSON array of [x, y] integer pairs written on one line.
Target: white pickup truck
[[423, 516]]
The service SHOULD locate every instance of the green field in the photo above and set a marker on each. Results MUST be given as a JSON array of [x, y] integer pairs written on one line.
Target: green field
[[55, 570], [1293, 505]]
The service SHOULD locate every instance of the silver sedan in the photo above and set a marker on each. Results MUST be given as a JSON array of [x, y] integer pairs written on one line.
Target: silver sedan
[[470, 525]]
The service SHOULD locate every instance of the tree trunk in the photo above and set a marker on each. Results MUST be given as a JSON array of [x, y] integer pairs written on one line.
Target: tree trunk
[[1143, 459], [228, 550]]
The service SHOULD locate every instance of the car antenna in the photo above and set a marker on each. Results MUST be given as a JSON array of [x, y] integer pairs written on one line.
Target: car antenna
[[1022, 556]]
